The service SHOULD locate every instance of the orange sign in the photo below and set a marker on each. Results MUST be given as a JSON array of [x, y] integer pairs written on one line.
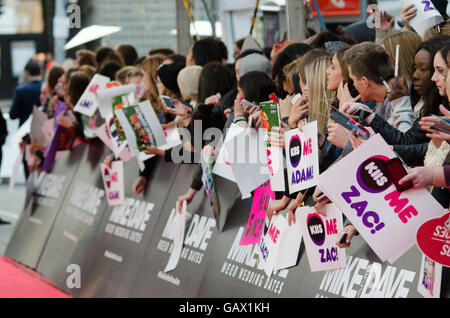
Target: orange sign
[[337, 8]]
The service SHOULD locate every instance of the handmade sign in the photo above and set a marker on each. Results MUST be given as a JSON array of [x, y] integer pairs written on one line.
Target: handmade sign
[[222, 166], [429, 283], [37, 121], [302, 157], [101, 133], [210, 188], [88, 102], [320, 234], [433, 239], [255, 225], [270, 116], [90, 124], [427, 15], [141, 128], [248, 161], [362, 189], [52, 147], [289, 248], [270, 242], [177, 234], [113, 182], [111, 97]]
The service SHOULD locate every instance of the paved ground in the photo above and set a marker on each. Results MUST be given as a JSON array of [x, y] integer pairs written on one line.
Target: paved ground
[[10, 208]]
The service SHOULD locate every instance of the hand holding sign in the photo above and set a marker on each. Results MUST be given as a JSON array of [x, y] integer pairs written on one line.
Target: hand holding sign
[[426, 15]]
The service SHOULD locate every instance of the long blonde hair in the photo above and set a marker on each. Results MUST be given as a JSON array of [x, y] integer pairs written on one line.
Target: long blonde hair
[[150, 66], [319, 96], [409, 43]]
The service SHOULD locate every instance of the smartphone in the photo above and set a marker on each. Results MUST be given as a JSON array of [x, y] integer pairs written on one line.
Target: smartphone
[[342, 238], [397, 171], [443, 125], [247, 104], [168, 103]]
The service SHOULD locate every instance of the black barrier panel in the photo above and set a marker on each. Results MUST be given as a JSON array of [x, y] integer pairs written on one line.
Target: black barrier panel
[[33, 228], [124, 232], [365, 276], [237, 270], [78, 221], [200, 240], [228, 194]]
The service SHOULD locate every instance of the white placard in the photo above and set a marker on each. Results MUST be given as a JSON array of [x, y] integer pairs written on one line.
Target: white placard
[[37, 122], [427, 15], [270, 242], [430, 276], [178, 238], [247, 158], [88, 102], [105, 97], [320, 234], [290, 242], [302, 157], [222, 165], [113, 182], [362, 189], [125, 155]]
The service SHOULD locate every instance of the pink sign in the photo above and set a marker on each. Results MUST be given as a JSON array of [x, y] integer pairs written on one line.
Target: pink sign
[[255, 225]]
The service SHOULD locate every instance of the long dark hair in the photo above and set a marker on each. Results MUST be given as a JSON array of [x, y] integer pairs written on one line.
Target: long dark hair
[[214, 78], [432, 99], [257, 86]]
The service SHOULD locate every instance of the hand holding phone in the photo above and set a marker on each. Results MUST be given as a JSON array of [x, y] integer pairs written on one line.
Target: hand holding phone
[[342, 238], [168, 103], [397, 171]]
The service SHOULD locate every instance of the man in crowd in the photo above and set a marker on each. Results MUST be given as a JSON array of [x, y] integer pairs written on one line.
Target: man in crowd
[[25, 96]]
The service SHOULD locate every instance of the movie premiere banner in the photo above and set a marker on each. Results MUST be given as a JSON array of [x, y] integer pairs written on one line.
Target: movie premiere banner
[[302, 157], [198, 245], [362, 189], [320, 236], [37, 218], [116, 254], [76, 224]]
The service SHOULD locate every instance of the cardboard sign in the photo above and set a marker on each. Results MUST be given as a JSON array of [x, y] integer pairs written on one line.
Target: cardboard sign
[[247, 158], [302, 157], [320, 234], [427, 15], [222, 166], [124, 155], [178, 237], [113, 182], [255, 225], [434, 240], [270, 243], [270, 116], [363, 190], [37, 122], [208, 183], [289, 248], [141, 128], [124, 94], [88, 102], [429, 283]]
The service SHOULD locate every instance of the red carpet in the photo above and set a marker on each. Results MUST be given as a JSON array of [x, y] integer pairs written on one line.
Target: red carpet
[[18, 281]]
